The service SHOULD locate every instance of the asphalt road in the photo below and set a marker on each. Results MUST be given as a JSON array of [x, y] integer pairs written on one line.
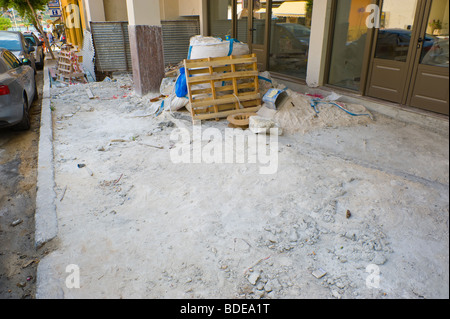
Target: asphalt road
[[18, 173]]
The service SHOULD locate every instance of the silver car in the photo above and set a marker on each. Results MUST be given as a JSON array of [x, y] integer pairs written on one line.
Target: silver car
[[15, 42], [38, 46], [17, 91]]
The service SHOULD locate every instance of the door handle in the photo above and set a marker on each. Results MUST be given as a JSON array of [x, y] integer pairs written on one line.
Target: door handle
[[419, 42]]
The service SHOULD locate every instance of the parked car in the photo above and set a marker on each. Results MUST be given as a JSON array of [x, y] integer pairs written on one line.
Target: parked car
[[300, 32], [392, 44], [290, 39], [38, 46], [17, 91], [15, 42]]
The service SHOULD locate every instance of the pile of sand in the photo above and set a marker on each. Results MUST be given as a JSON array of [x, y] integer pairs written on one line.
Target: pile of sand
[[296, 115]]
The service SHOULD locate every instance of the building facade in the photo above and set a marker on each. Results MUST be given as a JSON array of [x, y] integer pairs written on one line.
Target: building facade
[[393, 50]]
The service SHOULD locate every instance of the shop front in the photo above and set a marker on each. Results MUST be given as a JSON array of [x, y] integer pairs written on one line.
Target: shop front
[[410, 56], [277, 31], [393, 50]]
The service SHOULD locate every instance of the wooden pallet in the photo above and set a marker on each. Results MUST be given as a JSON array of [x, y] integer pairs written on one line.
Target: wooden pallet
[[219, 87]]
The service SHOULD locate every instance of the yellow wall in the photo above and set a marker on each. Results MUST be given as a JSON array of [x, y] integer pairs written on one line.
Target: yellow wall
[[169, 9], [115, 10], [71, 12], [357, 19], [190, 7], [83, 18]]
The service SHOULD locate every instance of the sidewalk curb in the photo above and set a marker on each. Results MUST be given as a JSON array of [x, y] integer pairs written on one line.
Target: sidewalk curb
[[46, 221]]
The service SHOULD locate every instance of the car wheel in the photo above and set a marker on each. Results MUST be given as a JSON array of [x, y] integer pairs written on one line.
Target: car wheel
[[25, 123], [40, 65], [33, 65], [36, 93]]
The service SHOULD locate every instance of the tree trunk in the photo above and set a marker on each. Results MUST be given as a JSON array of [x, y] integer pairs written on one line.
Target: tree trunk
[[40, 29]]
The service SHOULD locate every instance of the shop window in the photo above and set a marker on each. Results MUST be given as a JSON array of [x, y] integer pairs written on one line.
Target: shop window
[[220, 18], [394, 36], [290, 35], [349, 42], [435, 50]]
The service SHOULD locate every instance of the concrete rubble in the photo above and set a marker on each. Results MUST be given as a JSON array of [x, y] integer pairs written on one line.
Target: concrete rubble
[[141, 226]]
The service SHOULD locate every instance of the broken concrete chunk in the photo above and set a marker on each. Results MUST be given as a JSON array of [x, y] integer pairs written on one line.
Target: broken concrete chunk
[[293, 237], [272, 285], [261, 125], [254, 276], [319, 273], [267, 113]]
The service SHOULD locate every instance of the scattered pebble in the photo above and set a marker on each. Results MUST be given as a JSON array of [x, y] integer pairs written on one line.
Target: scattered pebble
[[17, 222]]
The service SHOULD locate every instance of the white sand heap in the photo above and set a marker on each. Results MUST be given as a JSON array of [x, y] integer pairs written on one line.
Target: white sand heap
[[297, 115]]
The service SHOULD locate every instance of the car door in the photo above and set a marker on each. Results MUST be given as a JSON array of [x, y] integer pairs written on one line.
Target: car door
[[23, 75], [31, 42], [39, 49], [27, 54], [38, 53]]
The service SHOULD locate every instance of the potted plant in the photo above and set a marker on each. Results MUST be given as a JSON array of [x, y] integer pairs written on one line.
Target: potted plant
[[435, 25]]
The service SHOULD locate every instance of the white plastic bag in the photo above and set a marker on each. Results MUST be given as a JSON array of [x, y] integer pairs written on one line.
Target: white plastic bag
[[204, 47]]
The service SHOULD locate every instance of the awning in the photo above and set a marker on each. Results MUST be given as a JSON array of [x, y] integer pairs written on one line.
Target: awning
[[294, 9]]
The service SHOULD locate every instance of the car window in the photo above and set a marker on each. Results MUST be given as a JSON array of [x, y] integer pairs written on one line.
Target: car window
[[10, 41], [11, 60], [31, 39], [3, 67], [24, 42], [7, 61]]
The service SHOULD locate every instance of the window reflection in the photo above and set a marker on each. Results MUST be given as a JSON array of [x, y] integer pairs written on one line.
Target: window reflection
[[435, 51], [394, 35], [221, 16], [291, 30], [349, 41]]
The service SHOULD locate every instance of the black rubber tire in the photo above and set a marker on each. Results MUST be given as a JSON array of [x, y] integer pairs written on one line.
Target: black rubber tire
[[40, 65], [25, 123], [36, 93]]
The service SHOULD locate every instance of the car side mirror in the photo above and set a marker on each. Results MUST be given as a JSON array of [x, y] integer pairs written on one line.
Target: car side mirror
[[41, 43], [31, 49]]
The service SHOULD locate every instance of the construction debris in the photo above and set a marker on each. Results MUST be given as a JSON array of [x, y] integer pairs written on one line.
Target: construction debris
[[212, 47], [260, 125], [17, 222], [240, 120], [68, 67], [319, 273], [302, 225]]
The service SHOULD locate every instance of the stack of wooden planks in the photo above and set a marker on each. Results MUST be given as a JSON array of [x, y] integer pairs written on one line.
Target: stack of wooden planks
[[67, 67]]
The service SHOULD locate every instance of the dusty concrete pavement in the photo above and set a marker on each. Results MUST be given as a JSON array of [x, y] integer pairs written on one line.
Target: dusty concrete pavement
[[358, 210], [18, 169]]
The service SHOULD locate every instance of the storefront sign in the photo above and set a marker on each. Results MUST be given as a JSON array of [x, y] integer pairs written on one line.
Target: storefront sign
[[73, 18], [54, 4], [54, 13]]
